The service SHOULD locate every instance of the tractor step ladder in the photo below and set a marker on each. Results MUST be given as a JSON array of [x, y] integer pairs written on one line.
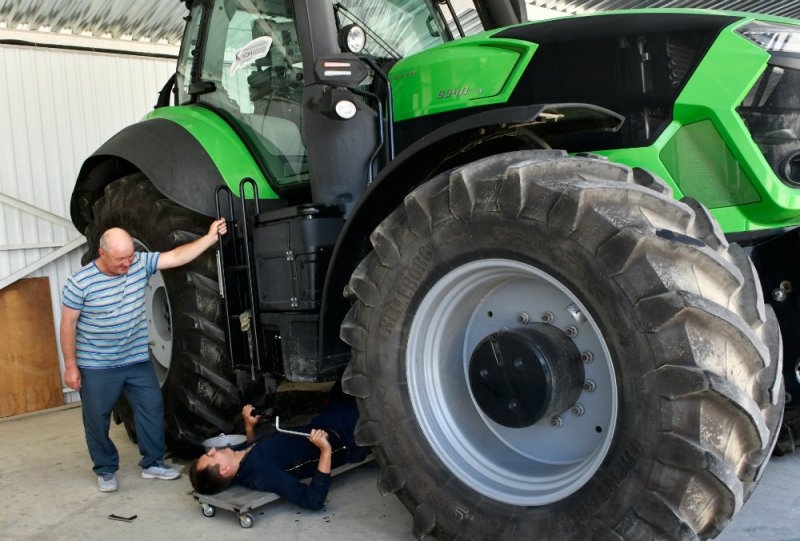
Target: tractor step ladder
[[242, 265]]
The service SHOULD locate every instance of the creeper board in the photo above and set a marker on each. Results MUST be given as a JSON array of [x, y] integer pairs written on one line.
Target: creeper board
[[241, 500]]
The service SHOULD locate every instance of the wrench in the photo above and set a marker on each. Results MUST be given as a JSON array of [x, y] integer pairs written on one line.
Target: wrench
[[292, 432]]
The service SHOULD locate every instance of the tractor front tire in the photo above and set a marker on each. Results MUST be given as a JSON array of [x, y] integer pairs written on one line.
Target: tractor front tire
[[187, 342], [551, 347]]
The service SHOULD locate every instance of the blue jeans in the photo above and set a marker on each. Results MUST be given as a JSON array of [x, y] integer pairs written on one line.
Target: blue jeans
[[100, 389]]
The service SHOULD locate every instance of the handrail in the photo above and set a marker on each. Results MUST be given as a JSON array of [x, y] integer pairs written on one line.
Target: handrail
[[256, 353], [223, 289]]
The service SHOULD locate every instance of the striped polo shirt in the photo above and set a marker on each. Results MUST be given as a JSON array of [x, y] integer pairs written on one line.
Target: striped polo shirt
[[112, 326]]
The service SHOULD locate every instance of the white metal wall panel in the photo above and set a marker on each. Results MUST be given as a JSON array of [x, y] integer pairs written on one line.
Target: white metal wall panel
[[155, 20], [57, 107]]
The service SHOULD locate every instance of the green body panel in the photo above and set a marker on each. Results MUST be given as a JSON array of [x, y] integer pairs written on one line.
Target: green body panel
[[713, 93], [469, 72], [482, 71], [222, 144], [479, 71], [716, 89]]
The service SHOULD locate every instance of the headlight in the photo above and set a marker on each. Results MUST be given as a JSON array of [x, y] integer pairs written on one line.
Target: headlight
[[773, 37], [345, 109], [790, 169], [772, 107], [352, 38]]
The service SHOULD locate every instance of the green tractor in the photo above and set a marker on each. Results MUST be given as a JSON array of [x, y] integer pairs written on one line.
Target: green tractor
[[528, 249]]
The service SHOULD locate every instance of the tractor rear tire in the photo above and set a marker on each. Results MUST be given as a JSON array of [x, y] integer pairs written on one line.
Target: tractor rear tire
[[187, 340], [679, 403]]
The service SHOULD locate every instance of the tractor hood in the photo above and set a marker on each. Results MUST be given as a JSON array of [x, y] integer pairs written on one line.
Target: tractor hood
[[470, 72]]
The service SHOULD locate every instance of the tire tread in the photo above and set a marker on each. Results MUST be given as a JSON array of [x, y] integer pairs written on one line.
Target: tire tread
[[629, 220]]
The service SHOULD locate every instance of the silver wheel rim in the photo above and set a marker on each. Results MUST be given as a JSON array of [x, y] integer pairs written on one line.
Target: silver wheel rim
[[159, 321], [535, 465]]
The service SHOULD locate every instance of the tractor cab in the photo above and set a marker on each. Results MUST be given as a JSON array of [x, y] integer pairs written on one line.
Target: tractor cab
[[249, 62]]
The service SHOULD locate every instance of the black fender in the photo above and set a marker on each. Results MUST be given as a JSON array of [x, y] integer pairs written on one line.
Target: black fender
[[457, 142], [174, 161]]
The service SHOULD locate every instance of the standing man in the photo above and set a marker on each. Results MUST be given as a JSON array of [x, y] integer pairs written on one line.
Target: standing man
[[105, 345]]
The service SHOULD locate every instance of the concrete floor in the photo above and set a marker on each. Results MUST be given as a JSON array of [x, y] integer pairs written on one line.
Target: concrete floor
[[48, 491]]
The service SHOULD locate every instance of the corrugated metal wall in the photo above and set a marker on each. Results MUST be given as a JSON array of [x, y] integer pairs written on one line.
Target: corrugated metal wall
[[58, 106], [783, 8], [155, 20]]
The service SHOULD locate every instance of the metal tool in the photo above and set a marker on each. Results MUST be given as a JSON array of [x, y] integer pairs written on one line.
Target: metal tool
[[122, 519], [292, 432]]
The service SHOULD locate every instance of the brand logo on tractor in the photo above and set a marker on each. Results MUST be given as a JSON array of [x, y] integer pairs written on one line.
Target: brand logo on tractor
[[255, 49]]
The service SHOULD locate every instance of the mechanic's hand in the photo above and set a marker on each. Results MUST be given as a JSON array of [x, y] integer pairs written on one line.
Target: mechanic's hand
[[250, 421], [320, 439]]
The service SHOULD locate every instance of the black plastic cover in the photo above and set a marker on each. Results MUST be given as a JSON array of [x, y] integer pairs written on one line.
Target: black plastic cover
[[292, 249]]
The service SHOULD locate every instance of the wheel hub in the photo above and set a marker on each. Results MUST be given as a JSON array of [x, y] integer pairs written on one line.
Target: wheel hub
[[522, 375], [531, 465]]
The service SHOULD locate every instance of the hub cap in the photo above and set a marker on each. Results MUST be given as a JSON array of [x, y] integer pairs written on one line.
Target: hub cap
[[520, 376], [556, 444]]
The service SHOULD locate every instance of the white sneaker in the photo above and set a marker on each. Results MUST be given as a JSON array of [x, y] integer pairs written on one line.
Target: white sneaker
[[160, 470], [107, 482]]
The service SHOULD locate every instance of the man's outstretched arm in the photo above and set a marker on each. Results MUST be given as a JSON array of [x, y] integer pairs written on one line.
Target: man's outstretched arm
[[189, 251]]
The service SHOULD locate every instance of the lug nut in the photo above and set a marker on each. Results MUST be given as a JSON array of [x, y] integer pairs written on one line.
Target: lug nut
[[589, 386], [518, 363], [571, 331], [786, 285], [586, 357], [578, 410], [548, 317], [484, 373], [556, 421], [513, 405]]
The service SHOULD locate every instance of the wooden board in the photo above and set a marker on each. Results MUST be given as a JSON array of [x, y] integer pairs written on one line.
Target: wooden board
[[30, 378]]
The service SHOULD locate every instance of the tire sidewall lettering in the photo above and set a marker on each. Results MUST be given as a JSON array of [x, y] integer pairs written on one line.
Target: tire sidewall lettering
[[407, 286]]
